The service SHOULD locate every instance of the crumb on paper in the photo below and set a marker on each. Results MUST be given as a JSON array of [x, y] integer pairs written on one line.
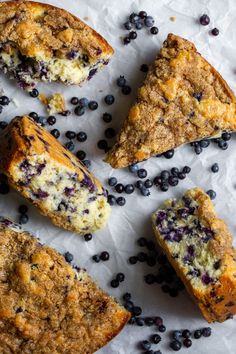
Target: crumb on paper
[[86, 18], [55, 104], [172, 18]]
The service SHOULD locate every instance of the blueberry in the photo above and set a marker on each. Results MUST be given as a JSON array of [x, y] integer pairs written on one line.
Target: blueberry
[[140, 322], [120, 277], [176, 335], [133, 35], [165, 288], [142, 173], [107, 117], [131, 321], [4, 188], [215, 31], [150, 279], [111, 199], [88, 237], [93, 105], [187, 342], [102, 144], [126, 90], [70, 134], [120, 201], [138, 25], [215, 168], [51, 120], [149, 21], [164, 187], [137, 311], [23, 209], [23, 219], [186, 333], [110, 133], [165, 175], [181, 175], [226, 136], [144, 68], [148, 183], [155, 338], [70, 145], [174, 171], [3, 125], [175, 345], [197, 334], [133, 17], [142, 242], [133, 260], [34, 93], [81, 155], [186, 169], [158, 321], [145, 344], [129, 188], [42, 120], [83, 102], [169, 154], [74, 100], [204, 143], [119, 188], [173, 292], [104, 256], [96, 258], [65, 113], [157, 181], [173, 181], [112, 181], [198, 150], [121, 81], [34, 115], [81, 137], [204, 20], [145, 191], [154, 30], [127, 297], [114, 283], [211, 193], [109, 99], [206, 332], [126, 40], [68, 257], [128, 25], [149, 321], [139, 184], [162, 328], [142, 257], [79, 111], [1, 109], [55, 133], [222, 144], [142, 14]]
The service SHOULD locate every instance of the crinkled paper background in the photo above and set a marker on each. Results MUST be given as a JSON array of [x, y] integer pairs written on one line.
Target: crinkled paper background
[[129, 223]]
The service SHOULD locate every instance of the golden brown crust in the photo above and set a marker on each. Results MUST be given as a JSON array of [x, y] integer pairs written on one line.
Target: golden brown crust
[[45, 305], [217, 302], [183, 99], [39, 29]]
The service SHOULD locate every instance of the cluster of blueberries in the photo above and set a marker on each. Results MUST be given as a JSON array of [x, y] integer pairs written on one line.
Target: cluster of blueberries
[[137, 22], [221, 142], [23, 218]]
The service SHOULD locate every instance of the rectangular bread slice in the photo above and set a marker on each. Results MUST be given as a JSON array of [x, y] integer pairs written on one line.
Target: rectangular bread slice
[[199, 246], [40, 42], [52, 178], [46, 306]]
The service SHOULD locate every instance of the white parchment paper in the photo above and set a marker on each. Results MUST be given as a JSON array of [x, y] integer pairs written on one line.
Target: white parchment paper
[[129, 223]]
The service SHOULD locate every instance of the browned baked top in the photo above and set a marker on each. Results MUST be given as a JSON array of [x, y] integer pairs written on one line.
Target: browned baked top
[[183, 99], [45, 31], [46, 306]]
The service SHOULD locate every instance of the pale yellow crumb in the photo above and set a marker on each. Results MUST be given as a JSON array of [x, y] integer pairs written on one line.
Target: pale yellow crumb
[[172, 18], [55, 103]]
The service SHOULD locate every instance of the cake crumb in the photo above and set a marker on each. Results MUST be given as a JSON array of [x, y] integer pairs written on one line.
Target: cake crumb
[[86, 18], [55, 103], [172, 18]]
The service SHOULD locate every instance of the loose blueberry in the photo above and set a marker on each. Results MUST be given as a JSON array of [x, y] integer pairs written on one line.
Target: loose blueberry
[[142, 173], [142, 242], [198, 150], [226, 136], [145, 191], [23, 209], [149, 21], [138, 25], [149, 321], [176, 335], [128, 25], [169, 154], [129, 188], [70, 145], [206, 332], [154, 30], [34, 93], [121, 81], [102, 144], [133, 18], [174, 171], [162, 328], [133, 35], [120, 201], [211, 193], [104, 256], [107, 117], [81, 137], [119, 188], [181, 175], [109, 99], [81, 155], [126, 40], [173, 181], [144, 68], [51, 120], [74, 101], [204, 143], [34, 115], [23, 219], [215, 31], [186, 333], [155, 338], [79, 111], [55, 133], [137, 311], [68, 257], [110, 133], [4, 188], [88, 237], [197, 334], [120, 277], [164, 187], [142, 14], [70, 134], [114, 283], [133, 260], [148, 183], [83, 102], [150, 279], [111, 199], [93, 105], [165, 175], [215, 168], [204, 20], [175, 345], [3, 125], [127, 297], [139, 184], [186, 169], [96, 258], [126, 90], [112, 181], [223, 145], [140, 322], [145, 345], [187, 342]]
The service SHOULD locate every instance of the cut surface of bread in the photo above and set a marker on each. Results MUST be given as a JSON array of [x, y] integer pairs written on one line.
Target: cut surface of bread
[[40, 42], [183, 99], [48, 306], [199, 246], [52, 178]]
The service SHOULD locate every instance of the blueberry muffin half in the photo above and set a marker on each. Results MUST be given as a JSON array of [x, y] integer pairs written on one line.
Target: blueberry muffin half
[[52, 178], [48, 306], [182, 100], [40, 42], [199, 246]]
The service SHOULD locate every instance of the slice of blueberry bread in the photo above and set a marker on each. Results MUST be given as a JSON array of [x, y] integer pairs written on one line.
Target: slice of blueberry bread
[[48, 306], [52, 178], [182, 100], [199, 246], [40, 42]]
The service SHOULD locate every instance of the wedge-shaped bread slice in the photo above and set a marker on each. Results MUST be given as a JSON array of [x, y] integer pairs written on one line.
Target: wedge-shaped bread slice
[[46, 306], [183, 99], [199, 246], [40, 42], [52, 178]]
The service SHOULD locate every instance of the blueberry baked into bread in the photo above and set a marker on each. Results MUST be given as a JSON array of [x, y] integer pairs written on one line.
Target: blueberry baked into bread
[[199, 246], [46, 305], [51, 177], [183, 99], [40, 42]]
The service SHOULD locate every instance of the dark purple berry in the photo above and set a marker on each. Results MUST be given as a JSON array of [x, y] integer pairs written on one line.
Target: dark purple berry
[[34, 93], [55, 133], [109, 99], [126, 90], [215, 31], [51, 120], [104, 256], [68, 257], [88, 237], [204, 20], [154, 30]]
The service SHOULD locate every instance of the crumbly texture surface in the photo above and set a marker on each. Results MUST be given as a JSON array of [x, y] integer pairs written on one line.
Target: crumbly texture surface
[[40, 42], [199, 246], [52, 178], [46, 306], [55, 104], [183, 99]]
